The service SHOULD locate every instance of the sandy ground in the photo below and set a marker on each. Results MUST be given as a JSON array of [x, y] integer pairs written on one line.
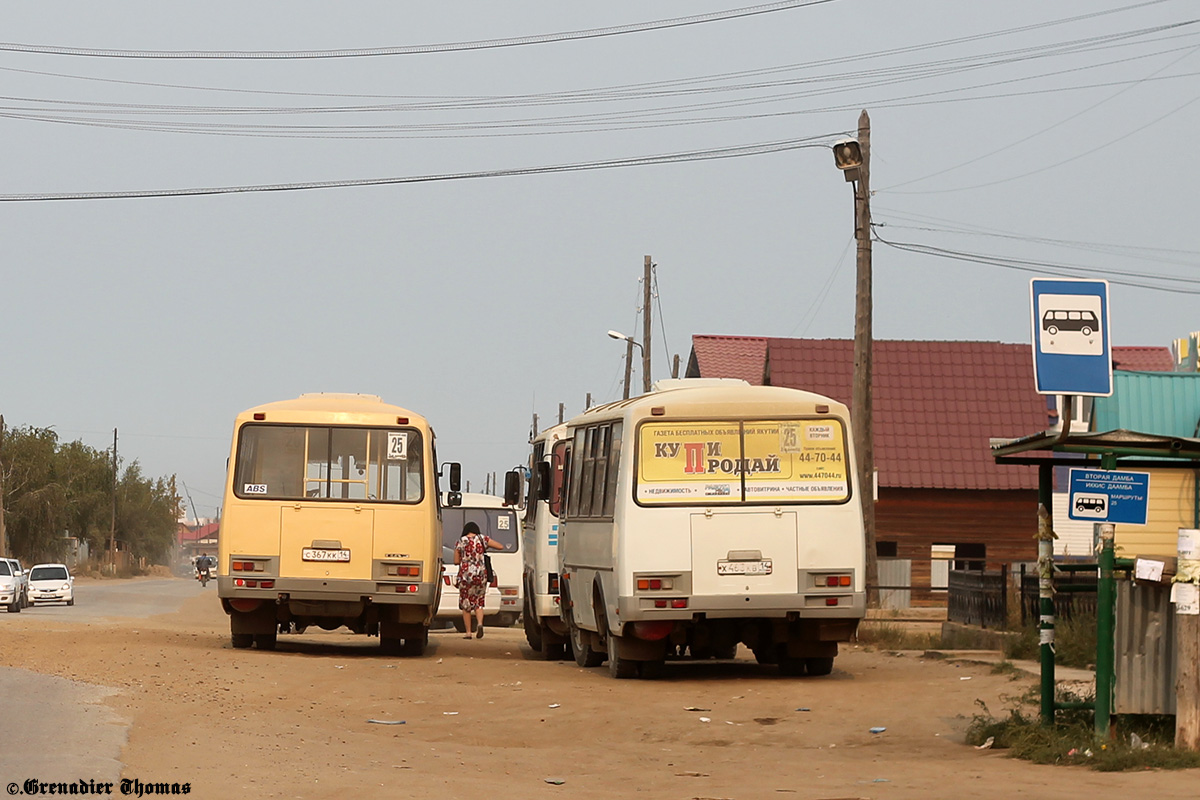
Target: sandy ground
[[484, 720]]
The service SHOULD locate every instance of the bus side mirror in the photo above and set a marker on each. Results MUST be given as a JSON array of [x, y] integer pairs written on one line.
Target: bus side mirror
[[455, 477], [512, 488], [453, 499], [543, 481]]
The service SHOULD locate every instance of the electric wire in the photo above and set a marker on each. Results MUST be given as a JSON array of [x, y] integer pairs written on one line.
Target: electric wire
[[446, 47], [1142, 280], [711, 154], [810, 314]]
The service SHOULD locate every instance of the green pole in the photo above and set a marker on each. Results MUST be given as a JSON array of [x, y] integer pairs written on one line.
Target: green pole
[[1045, 568], [1105, 595]]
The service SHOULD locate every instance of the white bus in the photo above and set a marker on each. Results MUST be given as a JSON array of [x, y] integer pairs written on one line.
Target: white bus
[[709, 513], [502, 603], [544, 627]]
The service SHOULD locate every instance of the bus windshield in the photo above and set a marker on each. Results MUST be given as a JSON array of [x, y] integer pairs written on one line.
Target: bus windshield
[[498, 523], [293, 462], [750, 461]]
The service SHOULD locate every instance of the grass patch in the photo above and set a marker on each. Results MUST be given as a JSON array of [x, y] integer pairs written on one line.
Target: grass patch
[[1141, 742], [884, 635], [1074, 643]]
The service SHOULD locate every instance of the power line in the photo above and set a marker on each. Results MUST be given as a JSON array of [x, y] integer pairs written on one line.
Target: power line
[[1140, 280], [481, 44], [739, 151]]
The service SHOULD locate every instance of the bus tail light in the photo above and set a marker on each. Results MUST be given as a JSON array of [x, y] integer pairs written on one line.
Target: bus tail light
[[407, 588], [239, 565], [266, 584], [831, 601], [655, 584], [404, 570], [446, 579], [837, 580], [680, 603], [509, 591], [553, 583]]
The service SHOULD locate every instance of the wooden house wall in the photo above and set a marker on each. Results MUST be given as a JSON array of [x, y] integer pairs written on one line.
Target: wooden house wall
[[916, 519]]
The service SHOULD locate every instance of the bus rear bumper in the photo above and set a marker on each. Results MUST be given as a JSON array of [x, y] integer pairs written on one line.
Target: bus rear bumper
[[850, 605], [367, 591]]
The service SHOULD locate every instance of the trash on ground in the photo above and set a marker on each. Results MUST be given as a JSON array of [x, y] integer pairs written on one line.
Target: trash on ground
[[878, 730], [555, 781], [450, 713], [1136, 742], [965, 678], [696, 708], [705, 719], [691, 774], [991, 740], [387, 721], [554, 705], [803, 708]]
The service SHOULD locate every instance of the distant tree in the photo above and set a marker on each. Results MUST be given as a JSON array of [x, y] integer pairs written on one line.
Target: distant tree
[[54, 491]]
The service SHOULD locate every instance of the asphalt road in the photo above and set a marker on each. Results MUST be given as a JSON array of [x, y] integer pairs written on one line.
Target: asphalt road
[[56, 729]]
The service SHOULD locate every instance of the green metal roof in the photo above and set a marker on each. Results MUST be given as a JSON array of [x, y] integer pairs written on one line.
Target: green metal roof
[[1163, 403]]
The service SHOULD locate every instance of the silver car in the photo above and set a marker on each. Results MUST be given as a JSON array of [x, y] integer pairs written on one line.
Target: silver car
[[14, 585]]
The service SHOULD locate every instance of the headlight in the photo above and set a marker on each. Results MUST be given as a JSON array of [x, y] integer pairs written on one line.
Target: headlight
[[66, 586]]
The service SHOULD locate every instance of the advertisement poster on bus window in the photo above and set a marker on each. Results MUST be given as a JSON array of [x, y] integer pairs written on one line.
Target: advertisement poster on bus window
[[783, 461]]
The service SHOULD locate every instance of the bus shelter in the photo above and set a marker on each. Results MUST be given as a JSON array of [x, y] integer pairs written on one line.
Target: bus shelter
[[1109, 450]]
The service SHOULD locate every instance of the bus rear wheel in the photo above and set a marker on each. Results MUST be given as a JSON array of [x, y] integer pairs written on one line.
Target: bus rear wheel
[[619, 668], [818, 666], [264, 641], [241, 641], [581, 648], [415, 645]]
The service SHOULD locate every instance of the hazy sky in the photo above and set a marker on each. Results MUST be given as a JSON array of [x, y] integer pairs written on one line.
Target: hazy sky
[[1007, 133]]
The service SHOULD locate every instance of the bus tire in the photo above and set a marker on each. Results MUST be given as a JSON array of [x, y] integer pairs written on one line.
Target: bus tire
[[791, 666], [414, 646], [581, 648], [390, 645], [264, 641], [619, 668], [556, 651], [818, 666], [651, 670], [241, 641], [533, 628]]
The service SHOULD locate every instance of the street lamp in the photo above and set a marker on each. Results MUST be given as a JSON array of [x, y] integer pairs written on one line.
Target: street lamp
[[629, 345]]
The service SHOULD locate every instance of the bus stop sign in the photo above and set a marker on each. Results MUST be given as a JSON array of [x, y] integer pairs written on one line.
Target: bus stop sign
[[1071, 354], [1101, 495]]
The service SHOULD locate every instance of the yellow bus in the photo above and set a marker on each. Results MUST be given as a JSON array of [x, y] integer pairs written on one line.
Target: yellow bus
[[332, 518]]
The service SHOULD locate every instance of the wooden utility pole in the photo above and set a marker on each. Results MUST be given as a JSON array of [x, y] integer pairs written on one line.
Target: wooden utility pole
[[586, 403], [628, 367], [535, 427], [860, 408], [646, 298], [675, 367], [112, 530], [560, 413]]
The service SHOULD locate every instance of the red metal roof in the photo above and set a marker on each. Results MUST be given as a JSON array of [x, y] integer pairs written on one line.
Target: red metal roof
[[188, 533], [936, 404], [742, 357], [1143, 359]]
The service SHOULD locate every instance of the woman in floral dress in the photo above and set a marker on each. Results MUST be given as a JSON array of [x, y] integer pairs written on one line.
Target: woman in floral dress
[[472, 575]]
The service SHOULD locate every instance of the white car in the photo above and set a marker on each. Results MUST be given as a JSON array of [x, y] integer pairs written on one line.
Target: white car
[[51, 583], [14, 594]]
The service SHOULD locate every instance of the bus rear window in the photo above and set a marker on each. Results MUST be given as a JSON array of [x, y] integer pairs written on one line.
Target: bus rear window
[[750, 461], [292, 462]]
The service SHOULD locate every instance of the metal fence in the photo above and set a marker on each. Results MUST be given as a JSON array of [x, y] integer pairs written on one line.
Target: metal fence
[[977, 597]]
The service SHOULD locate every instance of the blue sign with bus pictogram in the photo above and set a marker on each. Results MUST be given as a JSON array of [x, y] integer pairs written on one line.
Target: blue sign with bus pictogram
[[1101, 495]]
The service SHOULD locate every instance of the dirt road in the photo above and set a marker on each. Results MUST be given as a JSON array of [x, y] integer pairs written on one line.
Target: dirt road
[[483, 720]]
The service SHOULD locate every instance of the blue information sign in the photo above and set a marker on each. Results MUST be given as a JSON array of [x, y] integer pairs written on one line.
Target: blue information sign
[[1070, 337], [1100, 495]]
